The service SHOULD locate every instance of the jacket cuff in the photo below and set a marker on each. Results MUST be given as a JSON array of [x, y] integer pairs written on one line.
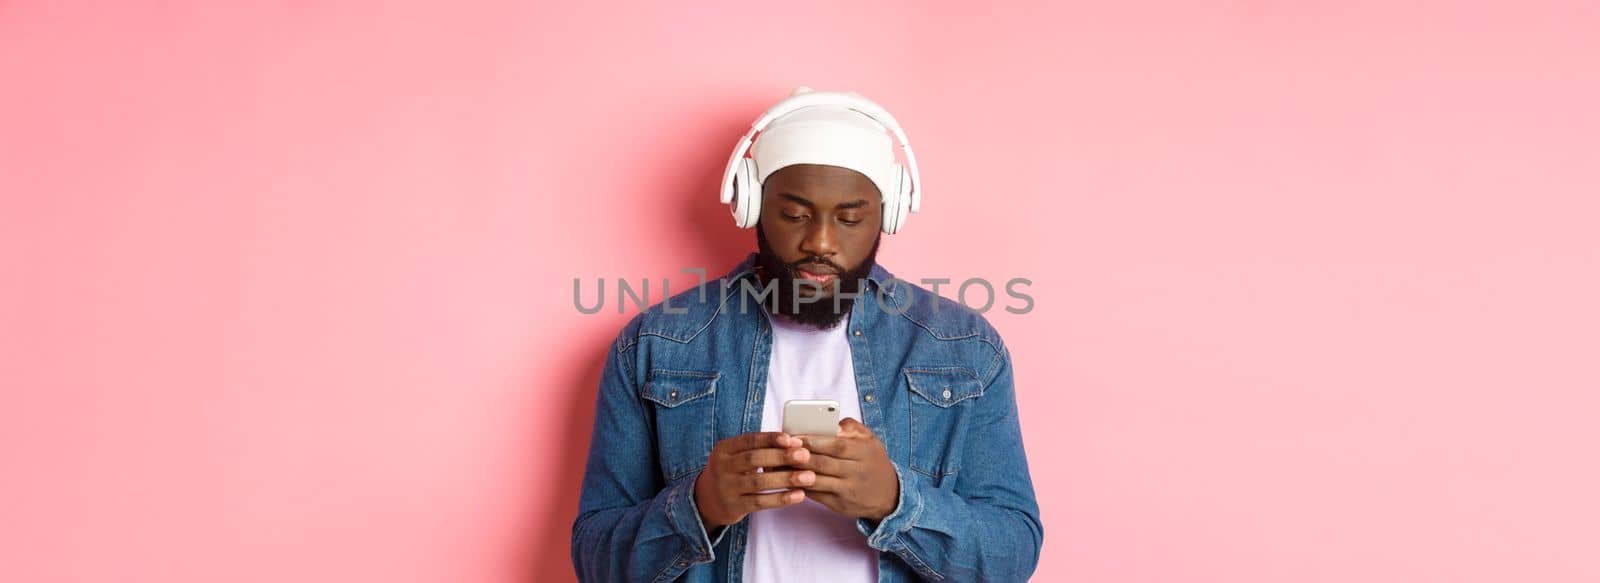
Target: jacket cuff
[[881, 535], [685, 517]]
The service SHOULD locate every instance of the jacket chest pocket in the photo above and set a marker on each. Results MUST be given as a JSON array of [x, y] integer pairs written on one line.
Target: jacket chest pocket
[[684, 405], [942, 401]]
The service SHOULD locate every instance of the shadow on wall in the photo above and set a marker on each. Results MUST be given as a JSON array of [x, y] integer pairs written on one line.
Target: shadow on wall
[[710, 241]]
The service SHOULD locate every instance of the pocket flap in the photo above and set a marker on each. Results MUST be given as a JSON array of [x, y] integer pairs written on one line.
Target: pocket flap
[[944, 386], [670, 388]]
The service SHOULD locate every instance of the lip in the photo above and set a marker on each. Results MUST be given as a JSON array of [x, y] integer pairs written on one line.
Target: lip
[[822, 277], [816, 270]]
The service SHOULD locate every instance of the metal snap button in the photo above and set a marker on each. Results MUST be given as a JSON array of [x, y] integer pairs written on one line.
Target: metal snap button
[[947, 393], [674, 395], [868, 398], [858, 332]]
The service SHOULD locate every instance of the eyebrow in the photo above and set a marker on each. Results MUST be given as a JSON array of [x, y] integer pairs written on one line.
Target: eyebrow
[[857, 203]]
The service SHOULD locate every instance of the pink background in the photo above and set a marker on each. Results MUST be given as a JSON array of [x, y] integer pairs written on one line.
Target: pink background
[[287, 289]]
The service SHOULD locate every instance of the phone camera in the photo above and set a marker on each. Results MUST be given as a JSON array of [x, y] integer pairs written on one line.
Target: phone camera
[[830, 409]]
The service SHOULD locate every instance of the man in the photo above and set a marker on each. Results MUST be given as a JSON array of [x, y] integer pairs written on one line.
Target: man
[[689, 477]]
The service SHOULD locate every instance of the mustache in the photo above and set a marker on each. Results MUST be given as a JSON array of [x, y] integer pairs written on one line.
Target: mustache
[[795, 266]]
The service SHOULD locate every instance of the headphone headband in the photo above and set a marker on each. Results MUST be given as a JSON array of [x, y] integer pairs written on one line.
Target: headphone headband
[[849, 101]]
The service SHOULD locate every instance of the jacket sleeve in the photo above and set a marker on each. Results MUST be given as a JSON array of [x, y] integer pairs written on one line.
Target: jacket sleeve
[[981, 524], [631, 526]]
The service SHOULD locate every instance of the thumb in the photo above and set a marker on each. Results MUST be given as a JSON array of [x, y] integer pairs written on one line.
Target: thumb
[[849, 427]]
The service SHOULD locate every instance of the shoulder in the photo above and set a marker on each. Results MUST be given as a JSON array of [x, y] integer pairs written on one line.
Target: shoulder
[[679, 318], [942, 318]]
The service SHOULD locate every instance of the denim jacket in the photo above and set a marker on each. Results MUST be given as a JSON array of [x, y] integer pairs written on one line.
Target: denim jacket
[[934, 382]]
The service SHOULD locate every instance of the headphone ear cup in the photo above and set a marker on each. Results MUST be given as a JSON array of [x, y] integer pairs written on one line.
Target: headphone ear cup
[[896, 202], [746, 195], [906, 198]]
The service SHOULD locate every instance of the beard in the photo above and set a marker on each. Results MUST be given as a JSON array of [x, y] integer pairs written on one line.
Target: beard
[[818, 311]]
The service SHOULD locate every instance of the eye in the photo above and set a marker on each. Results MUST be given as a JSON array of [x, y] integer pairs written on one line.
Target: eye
[[792, 218], [850, 222]]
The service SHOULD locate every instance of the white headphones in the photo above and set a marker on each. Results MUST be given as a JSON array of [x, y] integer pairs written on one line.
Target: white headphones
[[741, 187]]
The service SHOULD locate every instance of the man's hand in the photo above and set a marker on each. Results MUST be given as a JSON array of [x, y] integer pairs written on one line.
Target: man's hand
[[729, 487], [854, 475]]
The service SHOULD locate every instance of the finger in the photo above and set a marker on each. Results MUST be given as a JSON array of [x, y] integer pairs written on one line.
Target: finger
[[849, 427], [750, 459], [823, 483], [760, 440], [754, 483], [791, 456], [839, 447], [824, 465], [753, 502]]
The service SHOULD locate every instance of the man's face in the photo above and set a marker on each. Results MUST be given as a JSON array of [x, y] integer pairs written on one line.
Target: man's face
[[820, 224]]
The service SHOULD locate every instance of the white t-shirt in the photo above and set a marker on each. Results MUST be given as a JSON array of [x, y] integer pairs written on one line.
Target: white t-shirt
[[807, 541]]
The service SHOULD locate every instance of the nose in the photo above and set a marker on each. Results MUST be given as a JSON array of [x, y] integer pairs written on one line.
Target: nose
[[820, 240]]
